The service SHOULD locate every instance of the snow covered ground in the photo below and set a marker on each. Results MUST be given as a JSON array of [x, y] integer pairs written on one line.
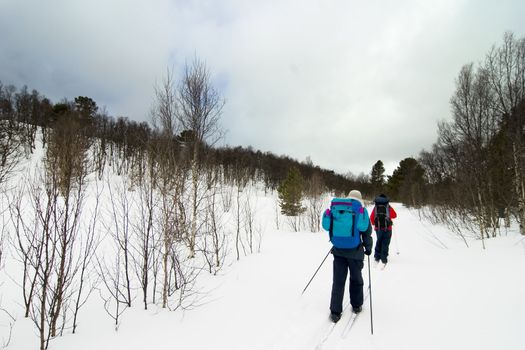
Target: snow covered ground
[[434, 294]]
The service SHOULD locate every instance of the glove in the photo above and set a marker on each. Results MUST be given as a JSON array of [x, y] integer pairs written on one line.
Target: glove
[[368, 252], [327, 212]]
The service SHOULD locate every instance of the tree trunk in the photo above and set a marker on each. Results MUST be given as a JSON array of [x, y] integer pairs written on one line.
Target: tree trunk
[[194, 179], [166, 272], [238, 226], [520, 189], [481, 219]]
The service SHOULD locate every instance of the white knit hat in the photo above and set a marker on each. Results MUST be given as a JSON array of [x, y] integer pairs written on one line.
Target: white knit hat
[[355, 194]]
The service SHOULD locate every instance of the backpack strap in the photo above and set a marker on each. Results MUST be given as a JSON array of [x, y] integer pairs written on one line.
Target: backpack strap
[[330, 230], [353, 224]]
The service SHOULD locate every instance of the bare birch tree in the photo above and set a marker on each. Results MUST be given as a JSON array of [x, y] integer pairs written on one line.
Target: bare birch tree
[[505, 66], [314, 190], [214, 242], [48, 230], [475, 125], [120, 231], [11, 139], [37, 241], [144, 232], [171, 176], [114, 294], [249, 211], [89, 242], [239, 219], [199, 107], [66, 167]]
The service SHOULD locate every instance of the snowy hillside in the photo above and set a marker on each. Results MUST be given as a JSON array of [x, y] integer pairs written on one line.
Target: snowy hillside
[[434, 294]]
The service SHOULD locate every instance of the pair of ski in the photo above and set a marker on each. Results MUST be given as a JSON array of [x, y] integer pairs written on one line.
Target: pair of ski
[[379, 265], [348, 323]]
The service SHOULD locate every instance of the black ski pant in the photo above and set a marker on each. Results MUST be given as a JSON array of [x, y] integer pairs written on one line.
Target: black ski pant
[[382, 244], [341, 267]]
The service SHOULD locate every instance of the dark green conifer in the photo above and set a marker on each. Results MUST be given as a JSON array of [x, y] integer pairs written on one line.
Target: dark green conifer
[[291, 193]]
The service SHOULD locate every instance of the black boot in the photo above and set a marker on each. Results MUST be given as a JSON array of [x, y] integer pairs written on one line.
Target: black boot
[[335, 317], [357, 309]]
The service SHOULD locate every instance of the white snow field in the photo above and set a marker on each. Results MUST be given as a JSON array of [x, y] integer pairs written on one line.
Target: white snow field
[[435, 293], [428, 297]]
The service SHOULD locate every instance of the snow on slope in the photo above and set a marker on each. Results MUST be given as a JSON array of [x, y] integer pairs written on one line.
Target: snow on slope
[[428, 297], [434, 294]]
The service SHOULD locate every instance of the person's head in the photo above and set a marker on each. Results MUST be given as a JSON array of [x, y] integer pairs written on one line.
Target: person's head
[[381, 199], [355, 194]]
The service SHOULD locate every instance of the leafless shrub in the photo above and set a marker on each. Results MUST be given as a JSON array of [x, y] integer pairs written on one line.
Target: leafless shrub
[[182, 278], [314, 202], [144, 258], [277, 215], [227, 198], [84, 286], [214, 240], [114, 292], [120, 231], [47, 232], [7, 321], [238, 221], [252, 229], [294, 222]]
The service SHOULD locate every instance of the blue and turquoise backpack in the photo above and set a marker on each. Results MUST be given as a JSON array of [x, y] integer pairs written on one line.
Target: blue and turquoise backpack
[[344, 222]]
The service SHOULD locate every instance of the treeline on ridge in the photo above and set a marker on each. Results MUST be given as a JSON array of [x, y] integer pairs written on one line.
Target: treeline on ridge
[[122, 143]]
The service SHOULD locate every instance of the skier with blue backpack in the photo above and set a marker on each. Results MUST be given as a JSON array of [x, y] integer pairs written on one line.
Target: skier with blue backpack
[[349, 226]]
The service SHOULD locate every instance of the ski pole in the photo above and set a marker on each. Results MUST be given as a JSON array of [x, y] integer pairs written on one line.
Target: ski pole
[[322, 262], [370, 291], [397, 247]]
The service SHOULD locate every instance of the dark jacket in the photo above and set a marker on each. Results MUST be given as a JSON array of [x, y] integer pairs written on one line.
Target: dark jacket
[[357, 253], [384, 200]]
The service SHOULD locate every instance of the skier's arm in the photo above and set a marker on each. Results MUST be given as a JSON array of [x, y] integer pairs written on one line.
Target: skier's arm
[[392, 213], [367, 237]]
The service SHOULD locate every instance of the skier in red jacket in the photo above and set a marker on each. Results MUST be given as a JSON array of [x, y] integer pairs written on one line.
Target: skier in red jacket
[[381, 217]]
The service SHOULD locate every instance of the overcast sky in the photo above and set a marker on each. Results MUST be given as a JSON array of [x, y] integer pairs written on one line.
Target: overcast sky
[[344, 82]]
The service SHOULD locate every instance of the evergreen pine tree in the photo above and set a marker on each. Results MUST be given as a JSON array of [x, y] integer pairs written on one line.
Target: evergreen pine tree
[[377, 177], [291, 193], [407, 182]]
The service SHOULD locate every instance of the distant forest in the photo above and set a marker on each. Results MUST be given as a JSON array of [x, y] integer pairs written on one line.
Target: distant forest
[[122, 142]]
